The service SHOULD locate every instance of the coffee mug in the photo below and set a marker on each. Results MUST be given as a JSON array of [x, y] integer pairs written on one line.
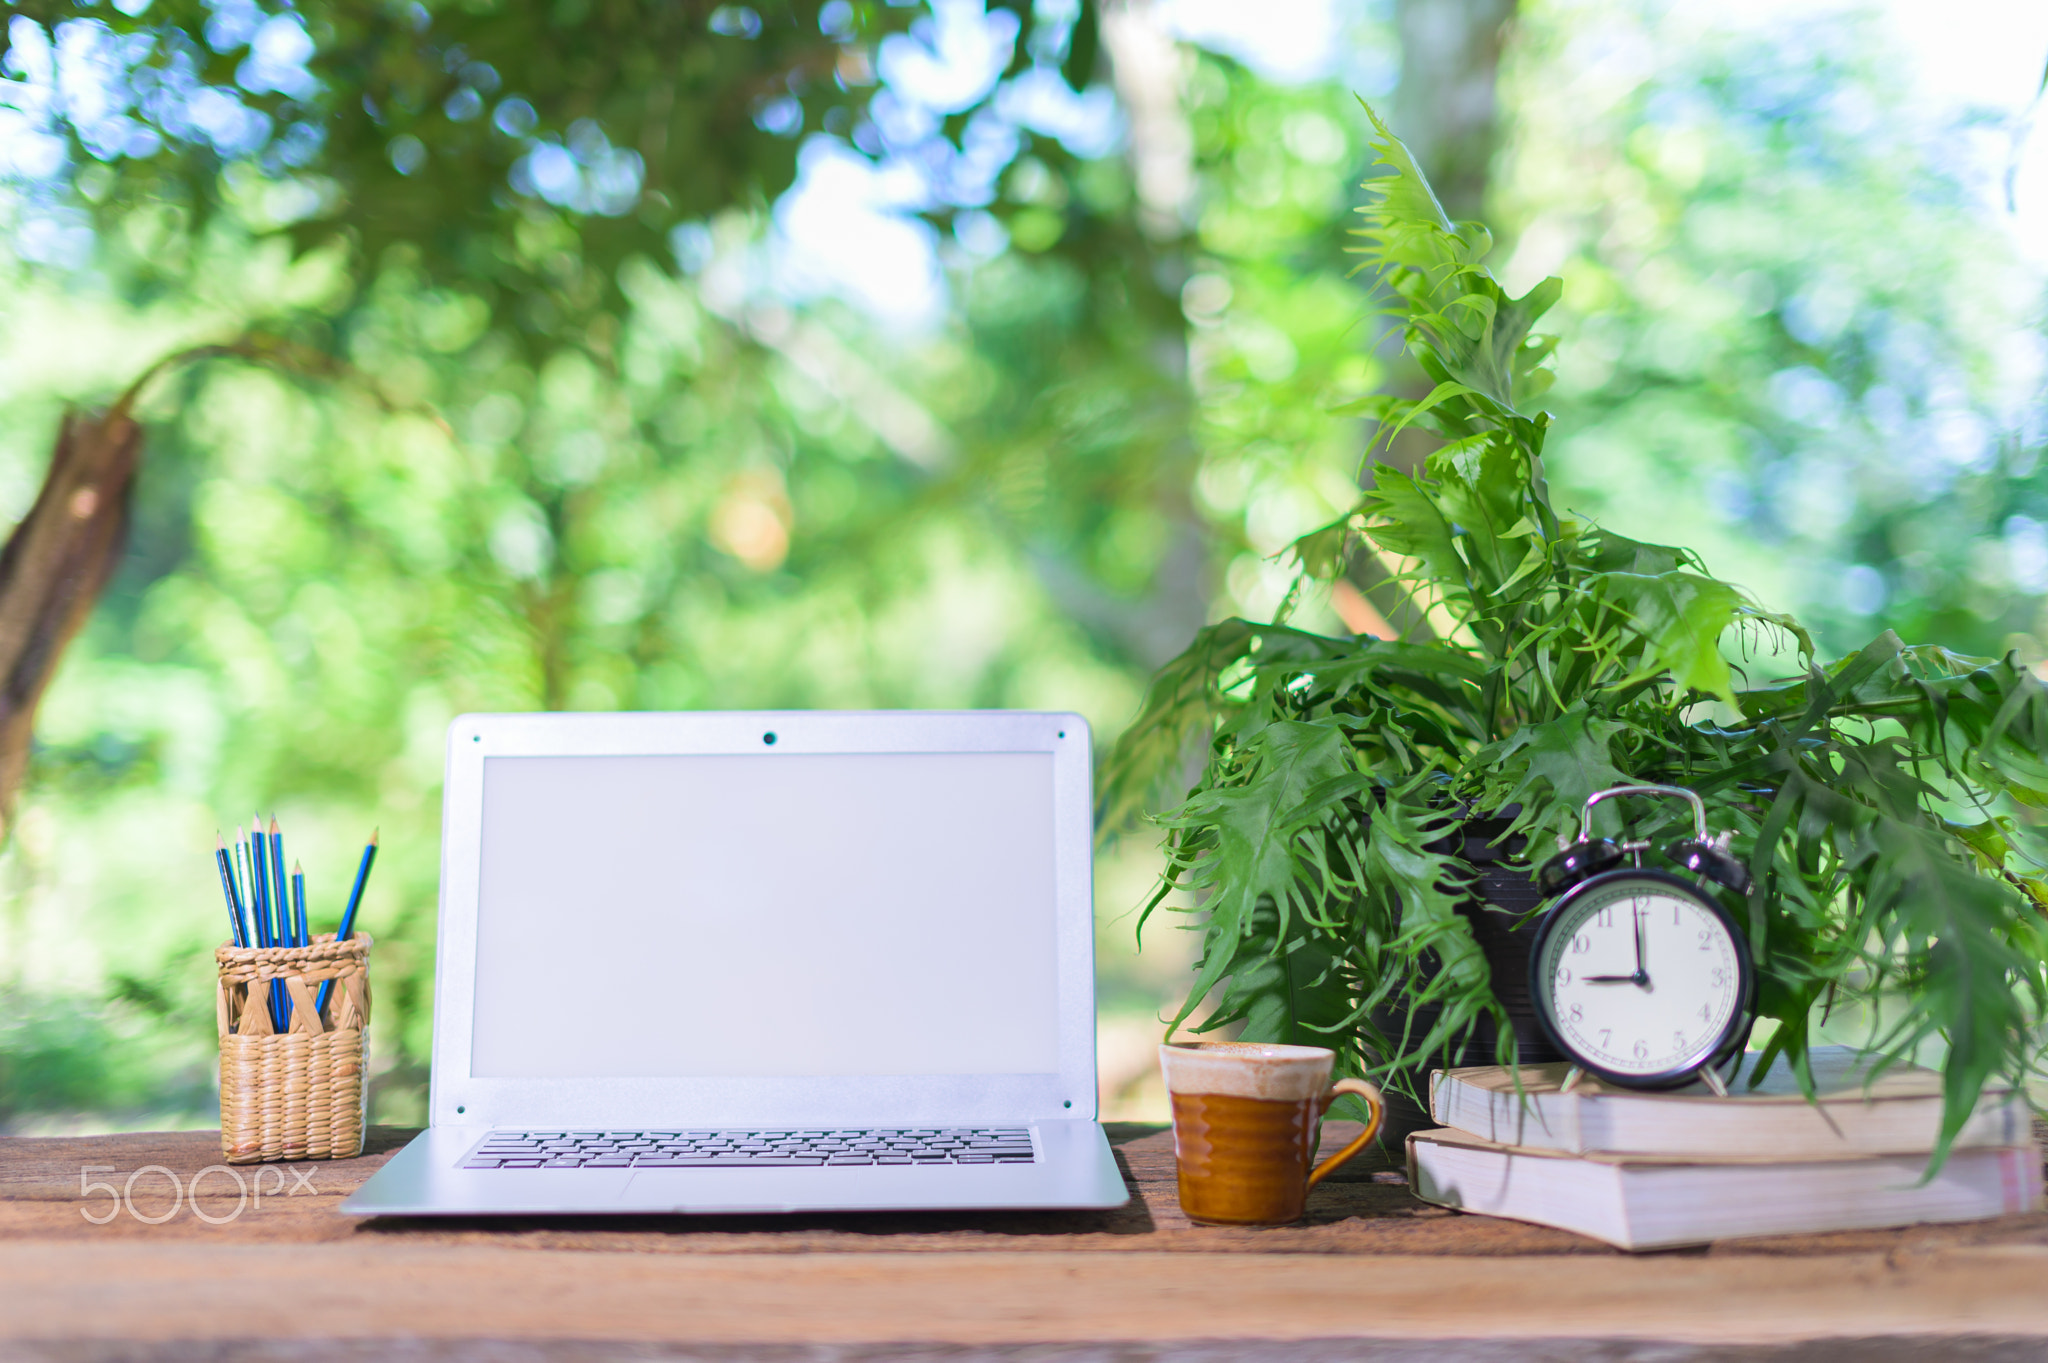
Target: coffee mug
[[1245, 1118]]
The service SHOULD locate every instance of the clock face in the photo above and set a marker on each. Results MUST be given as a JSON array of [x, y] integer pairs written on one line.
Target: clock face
[[1640, 978]]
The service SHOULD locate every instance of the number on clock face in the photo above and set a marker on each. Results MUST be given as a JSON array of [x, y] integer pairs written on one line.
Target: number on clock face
[[1640, 980]]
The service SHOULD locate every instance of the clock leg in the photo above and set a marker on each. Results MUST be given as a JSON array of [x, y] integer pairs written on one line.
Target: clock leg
[[1713, 1080], [1571, 1079]]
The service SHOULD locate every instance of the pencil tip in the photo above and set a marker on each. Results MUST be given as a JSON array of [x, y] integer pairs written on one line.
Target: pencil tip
[[220, 844], [273, 823], [297, 869], [373, 837]]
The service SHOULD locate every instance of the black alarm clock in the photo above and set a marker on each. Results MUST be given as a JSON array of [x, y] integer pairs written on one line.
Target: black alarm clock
[[1641, 976]]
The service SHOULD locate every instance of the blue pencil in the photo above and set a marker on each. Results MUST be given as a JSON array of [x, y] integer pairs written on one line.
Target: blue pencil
[[238, 869], [259, 916], [299, 920], [285, 935], [355, 893], [266, 917], [281, 1002], [259, 891], [258, 913], [227, 889], [285, 931], [238, 866], [348, 916]]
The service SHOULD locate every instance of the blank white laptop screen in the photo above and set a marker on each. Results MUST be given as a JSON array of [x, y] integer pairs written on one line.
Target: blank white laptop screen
[[766, 915]]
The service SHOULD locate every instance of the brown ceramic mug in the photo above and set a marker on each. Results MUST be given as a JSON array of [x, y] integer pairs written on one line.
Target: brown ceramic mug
[[1245, 1118]]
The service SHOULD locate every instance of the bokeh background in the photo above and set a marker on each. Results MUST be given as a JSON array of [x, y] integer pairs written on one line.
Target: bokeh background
[[934, 354]]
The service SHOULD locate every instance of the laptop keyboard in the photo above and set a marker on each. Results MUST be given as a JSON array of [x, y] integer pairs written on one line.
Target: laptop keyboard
[[749, 1149]]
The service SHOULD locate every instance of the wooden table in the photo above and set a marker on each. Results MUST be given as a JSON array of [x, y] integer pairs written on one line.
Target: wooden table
[[1370, 1274]]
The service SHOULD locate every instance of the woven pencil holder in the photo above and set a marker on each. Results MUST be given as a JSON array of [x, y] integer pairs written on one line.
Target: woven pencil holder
[[299, 1094]]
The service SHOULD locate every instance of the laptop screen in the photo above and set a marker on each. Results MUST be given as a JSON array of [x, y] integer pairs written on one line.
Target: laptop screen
[[779, 914]]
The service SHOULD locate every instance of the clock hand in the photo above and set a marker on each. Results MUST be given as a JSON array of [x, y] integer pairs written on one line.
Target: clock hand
[[1608, 979], [1642, 976]]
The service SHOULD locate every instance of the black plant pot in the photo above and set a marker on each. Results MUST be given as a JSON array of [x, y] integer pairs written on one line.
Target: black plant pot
[[1503, 894]]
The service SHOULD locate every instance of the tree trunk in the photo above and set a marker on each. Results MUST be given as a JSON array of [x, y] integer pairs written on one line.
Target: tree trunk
[[53, 568], [1446, 111], [1445, 107]]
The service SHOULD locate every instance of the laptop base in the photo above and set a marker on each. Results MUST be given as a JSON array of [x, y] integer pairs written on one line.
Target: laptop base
[[1073, 1169]]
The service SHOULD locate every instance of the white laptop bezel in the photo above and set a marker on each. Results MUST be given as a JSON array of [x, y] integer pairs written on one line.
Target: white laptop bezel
[[460, 1098]]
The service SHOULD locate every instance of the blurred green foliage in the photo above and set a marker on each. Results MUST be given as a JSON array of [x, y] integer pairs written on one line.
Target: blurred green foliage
[[1786, 294], [589, 460], [695, 496]]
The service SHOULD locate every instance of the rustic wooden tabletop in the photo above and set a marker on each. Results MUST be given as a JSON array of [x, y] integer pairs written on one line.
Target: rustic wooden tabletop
[[267, 1268]]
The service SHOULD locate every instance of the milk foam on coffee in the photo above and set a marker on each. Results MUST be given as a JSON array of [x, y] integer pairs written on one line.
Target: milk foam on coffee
[[1247, 1069]]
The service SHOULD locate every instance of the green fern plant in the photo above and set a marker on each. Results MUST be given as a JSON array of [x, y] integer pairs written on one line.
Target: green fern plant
[[1888, 803]]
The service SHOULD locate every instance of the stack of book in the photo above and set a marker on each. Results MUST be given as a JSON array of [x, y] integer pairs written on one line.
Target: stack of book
[[1654, 1170]]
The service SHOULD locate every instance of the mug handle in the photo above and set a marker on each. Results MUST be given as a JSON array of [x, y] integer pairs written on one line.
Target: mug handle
[[1371, 1094]]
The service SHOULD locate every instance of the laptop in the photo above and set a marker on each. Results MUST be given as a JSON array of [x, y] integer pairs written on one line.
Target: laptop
[[761, 962]]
